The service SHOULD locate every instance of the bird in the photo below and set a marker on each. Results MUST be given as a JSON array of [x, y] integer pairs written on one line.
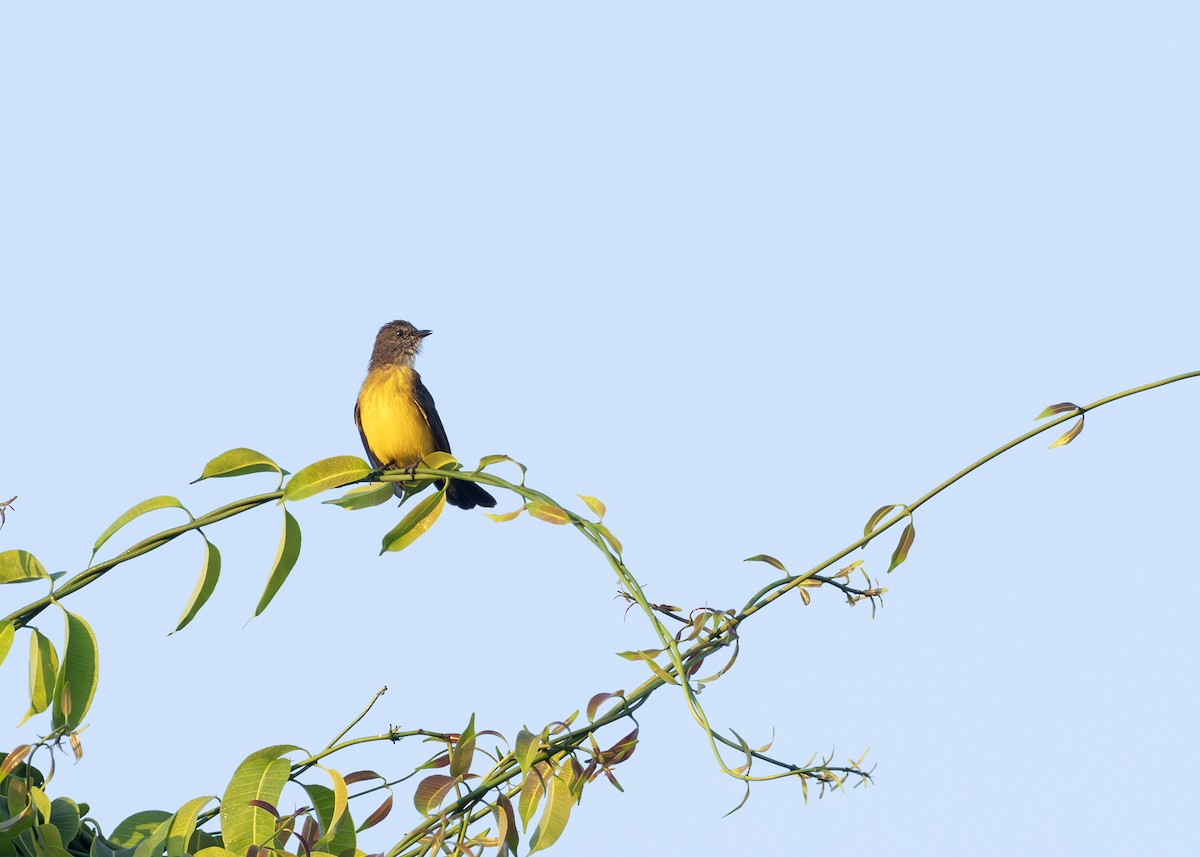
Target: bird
[[396, 417]]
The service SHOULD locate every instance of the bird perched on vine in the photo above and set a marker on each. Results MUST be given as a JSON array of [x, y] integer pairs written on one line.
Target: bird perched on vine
[[396, 416]]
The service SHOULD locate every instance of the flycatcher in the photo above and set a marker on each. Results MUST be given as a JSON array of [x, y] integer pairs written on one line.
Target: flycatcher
[[396, 417]]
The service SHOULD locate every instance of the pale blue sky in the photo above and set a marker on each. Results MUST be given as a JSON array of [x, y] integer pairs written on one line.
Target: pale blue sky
[[744, 271]]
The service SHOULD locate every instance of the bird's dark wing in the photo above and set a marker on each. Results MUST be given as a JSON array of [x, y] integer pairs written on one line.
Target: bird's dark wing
[[358, 423], [425, 403], [465, 495]]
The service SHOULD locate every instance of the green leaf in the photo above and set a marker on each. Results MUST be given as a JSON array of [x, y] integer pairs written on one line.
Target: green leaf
[[42, 802], [152, 845], [1061, 408], [238, 462], [340, 814], [463, 752], [439, 460], [99, 848], [285, 560], [532, 789], [138, 827], [656, 669], [43, 668], [901, 552], [20, 566], [64, 815], [489, 460], [610, 538], [415, 523], [261, 776], [769, 560], [183, 825], [324, 802], [215, 851], [556, 814], [137, 511], [749, 761], [325, 474], [526, 749], [48, 841], [8, 632], [1070, 435], [877, 516], [364, 496], [641, 654], [22, 820], [79, 672], [598, 508], [548, 512], [205, 584]]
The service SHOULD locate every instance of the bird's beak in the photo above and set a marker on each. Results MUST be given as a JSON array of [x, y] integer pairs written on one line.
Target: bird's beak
[[423, 333]]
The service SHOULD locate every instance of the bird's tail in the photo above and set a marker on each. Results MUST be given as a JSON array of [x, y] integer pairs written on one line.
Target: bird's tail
[[468, 495]]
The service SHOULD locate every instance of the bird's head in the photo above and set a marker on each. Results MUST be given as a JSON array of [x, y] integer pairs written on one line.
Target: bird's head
[[397, 343]]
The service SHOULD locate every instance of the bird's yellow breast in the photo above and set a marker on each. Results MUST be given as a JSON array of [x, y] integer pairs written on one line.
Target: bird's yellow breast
[[396, 430]]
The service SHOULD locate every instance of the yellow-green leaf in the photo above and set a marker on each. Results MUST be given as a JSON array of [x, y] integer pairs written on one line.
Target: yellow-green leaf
[[526, 749], [463, 752], [340, 814], [18, 566], [657, 670], [641, 654], [79, 672], [506, 825], [906, 541], [285, 560], [24, 819], [325, 474], [415, 523], [504, 516], [344, 839], [1070, 435], [183, 825], [548, 512], [43, 668], [260, 776], [439, 460], [610, 538], [532, 789], [1052, 410], [137, 511], [488, 460], [878, 516], [138, 827], [556, 814], [364, 496], [238, 462], [769, 560], [205, 584], [153, 845], [8, 633], [598, 508], [13, 758]]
